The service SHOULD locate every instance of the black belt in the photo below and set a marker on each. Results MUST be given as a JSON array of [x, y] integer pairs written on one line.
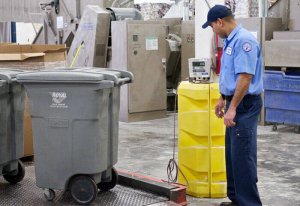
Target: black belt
[[229, 98]]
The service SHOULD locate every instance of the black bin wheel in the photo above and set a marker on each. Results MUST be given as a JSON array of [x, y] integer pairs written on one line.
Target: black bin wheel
[[49, 194], [14, 178], [274, 128], [83, 189], [106, 186]]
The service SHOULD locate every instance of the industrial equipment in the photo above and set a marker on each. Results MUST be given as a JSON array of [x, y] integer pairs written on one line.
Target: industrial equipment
[[187, 47], [140, 47], [60, 18], [199, 69], [120, 14], [89, 47]]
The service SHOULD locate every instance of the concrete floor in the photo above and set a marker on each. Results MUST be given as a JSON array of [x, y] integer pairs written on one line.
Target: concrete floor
[[146, 147]]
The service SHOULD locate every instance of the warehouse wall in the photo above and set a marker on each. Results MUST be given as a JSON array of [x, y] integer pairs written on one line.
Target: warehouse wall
[[5, 33]]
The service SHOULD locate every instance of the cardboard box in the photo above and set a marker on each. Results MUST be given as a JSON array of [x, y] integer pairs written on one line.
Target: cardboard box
[[28, 139], [31, 57]]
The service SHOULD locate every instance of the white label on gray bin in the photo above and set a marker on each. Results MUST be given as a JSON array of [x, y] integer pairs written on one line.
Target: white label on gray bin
[[60, 123], [57, 99]]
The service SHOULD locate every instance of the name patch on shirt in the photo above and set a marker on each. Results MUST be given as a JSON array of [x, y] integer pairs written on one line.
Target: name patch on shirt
[[229, 50], [247, 47]]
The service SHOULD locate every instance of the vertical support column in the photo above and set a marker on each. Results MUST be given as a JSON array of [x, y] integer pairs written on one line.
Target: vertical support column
[[45, 27], [262, 8], [13, 29]]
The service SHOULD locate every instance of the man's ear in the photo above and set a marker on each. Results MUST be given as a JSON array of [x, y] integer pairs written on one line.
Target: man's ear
[[220, 21]]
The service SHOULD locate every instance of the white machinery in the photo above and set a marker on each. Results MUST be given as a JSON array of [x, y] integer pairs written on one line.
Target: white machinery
[[200, 69], [200, 66], [60, 18]]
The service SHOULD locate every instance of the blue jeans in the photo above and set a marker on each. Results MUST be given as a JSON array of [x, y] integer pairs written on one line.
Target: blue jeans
[[241, 153]]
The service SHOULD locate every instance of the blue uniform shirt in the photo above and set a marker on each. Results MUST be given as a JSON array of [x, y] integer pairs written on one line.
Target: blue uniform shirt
[[241, 54]]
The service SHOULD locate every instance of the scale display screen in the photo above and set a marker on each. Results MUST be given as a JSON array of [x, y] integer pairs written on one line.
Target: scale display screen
[[199, 64]]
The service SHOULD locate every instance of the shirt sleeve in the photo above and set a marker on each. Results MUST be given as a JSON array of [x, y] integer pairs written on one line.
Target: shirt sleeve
[[246, 57]]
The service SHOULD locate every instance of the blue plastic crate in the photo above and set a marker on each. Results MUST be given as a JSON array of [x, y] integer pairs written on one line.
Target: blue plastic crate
[[282, 97]]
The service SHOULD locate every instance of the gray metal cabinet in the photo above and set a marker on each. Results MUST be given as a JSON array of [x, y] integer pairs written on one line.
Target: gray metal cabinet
[[140, 47], [187, 46]]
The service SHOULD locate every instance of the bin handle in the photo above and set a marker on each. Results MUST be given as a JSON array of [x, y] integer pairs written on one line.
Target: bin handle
[[285, 76], [6, 77], [294, 77], [14, 80], [124, 80], [125, 74]]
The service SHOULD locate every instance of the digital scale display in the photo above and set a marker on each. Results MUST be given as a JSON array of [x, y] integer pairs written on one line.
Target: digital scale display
[[198, 64], [199, 69]]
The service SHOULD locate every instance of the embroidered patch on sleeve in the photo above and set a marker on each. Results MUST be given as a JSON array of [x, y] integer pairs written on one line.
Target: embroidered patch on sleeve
[[247, 47]]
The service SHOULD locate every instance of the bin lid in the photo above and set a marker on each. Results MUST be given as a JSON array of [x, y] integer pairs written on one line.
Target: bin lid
[[3, 84], [119, 77], [60, 76], [9, 74]]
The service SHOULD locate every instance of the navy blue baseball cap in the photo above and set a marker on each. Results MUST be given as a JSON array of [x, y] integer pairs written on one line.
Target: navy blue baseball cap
[[216, 12]]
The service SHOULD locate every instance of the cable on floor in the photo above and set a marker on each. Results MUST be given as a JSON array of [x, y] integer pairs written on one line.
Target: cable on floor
[[172, 167]]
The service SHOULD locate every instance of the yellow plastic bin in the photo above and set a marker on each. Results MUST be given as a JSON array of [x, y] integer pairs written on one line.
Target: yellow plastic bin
[[201, 142]]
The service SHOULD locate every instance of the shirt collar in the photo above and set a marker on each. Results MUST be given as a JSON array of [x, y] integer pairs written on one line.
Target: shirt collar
[[234, 32]]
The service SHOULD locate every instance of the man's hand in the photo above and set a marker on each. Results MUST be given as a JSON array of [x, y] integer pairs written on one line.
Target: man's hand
[[219, 108], [229, 117]]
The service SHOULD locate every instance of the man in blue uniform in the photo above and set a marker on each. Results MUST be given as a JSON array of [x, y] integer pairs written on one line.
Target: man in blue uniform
[[240, 87]]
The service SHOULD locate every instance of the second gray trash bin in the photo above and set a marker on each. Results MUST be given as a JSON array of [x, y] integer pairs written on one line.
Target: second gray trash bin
[[71, 114], [12, 106], [118, 77]]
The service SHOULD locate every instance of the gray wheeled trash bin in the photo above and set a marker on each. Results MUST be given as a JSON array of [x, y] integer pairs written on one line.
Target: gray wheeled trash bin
[[71, 117], [119, 78], [12, 105]]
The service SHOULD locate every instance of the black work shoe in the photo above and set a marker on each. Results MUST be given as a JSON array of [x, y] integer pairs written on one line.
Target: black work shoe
[[229, 204]]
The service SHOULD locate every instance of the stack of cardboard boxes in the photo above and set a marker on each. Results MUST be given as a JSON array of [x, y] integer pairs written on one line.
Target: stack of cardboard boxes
[[31, 57]]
